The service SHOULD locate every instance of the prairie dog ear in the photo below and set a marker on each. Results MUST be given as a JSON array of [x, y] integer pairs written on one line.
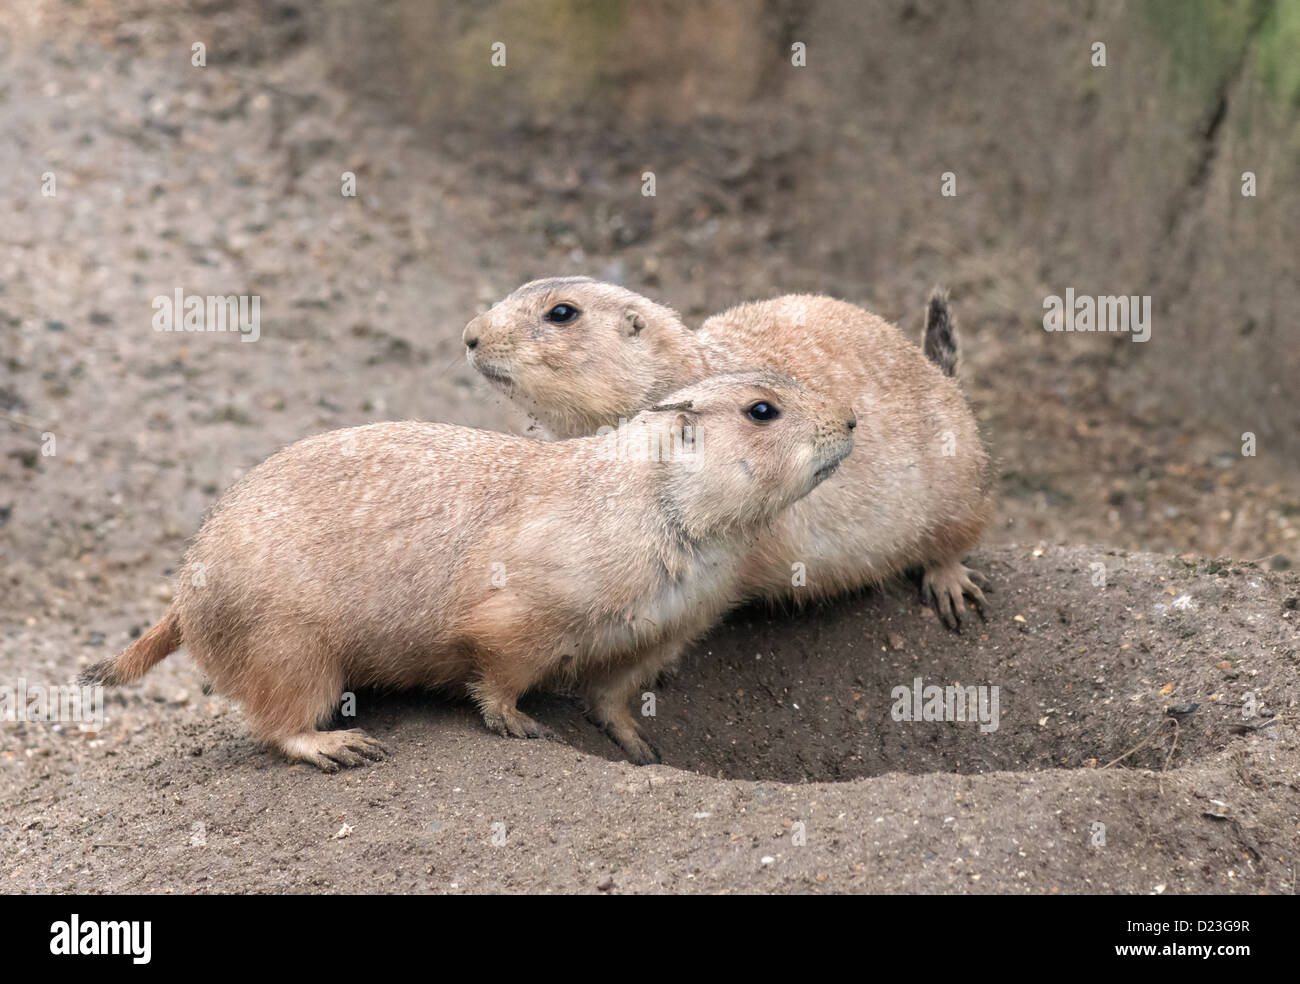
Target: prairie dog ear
[[683, 430], [665, 407], [684, 420], [633, 322]]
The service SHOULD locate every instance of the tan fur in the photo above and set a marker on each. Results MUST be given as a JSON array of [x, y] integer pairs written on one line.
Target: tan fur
[[426, 555], [898, 502]]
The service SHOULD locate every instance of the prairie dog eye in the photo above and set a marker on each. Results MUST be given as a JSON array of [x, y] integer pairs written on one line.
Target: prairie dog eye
[[562, 314], [762, 412]]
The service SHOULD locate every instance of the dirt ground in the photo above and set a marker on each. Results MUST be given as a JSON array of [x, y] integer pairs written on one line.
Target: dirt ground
[[783, 767], [771, 723]]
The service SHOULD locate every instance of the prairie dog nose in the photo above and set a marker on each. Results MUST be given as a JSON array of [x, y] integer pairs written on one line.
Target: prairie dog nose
[[470, 338], [853, 420]]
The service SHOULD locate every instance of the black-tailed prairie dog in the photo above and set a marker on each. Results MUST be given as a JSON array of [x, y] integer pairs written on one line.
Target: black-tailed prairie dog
[[426, 555], [581, 354]]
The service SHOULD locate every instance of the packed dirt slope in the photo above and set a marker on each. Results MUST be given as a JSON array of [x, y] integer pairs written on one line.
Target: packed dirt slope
[[773, 722]]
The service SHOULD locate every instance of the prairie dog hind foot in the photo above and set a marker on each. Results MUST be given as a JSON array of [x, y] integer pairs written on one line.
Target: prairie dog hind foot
[[330, 751]]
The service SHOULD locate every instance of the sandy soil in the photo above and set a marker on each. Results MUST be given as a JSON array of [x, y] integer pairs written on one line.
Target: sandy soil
[[778, 729], [227, 181]]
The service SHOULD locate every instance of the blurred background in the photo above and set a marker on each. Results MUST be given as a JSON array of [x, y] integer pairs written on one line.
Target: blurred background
[[770, 177]]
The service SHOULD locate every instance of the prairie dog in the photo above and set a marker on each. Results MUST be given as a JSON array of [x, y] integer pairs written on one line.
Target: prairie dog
[[581, 354], [426, 555]]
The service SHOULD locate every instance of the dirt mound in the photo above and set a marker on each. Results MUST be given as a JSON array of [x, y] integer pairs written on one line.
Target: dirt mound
[[1081, 678], [785, 768]]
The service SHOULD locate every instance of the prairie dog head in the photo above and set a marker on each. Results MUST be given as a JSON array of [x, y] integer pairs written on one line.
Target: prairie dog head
[[737, 449], [552, 339]]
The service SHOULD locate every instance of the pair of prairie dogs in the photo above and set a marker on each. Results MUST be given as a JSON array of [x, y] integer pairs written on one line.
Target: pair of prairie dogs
[[581, 355], [413, 554]]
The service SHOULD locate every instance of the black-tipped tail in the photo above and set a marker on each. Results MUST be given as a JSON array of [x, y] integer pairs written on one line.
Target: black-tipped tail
[[136, 660], [101, 674], [940, 337]]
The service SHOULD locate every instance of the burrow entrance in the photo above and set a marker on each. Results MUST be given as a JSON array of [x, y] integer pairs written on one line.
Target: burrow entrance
[[1085, 677]]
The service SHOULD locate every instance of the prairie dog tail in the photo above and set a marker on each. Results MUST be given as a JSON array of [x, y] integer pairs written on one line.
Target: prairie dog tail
[[138, 658], [940, 338]]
